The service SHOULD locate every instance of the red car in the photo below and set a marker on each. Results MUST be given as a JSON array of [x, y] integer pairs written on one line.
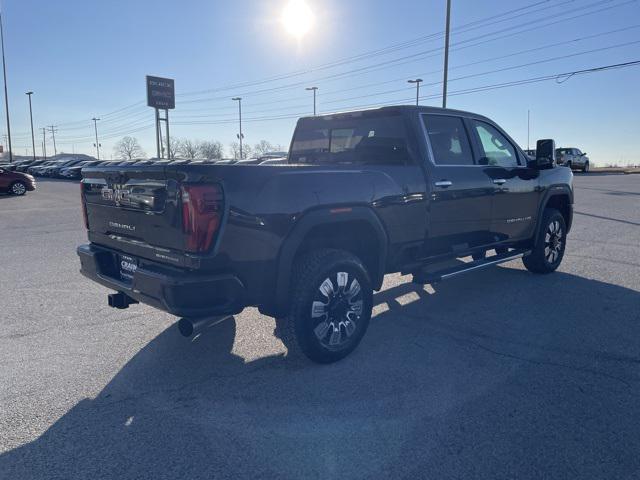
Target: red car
[[15, 182]]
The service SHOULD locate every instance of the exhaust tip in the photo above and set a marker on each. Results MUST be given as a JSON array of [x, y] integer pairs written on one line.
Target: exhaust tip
[[186, 327]]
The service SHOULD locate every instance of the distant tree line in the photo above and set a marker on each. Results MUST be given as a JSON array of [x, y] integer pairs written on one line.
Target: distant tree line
[[129, 148]]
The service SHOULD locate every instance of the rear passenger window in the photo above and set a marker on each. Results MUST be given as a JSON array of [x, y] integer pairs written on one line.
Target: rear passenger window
[[496, 149], [357, 140], [449, 140]]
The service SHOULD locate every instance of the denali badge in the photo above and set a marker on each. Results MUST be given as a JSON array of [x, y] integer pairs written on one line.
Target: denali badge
[[123, 226]]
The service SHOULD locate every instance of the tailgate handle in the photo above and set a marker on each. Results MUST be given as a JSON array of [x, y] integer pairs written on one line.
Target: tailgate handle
[[444, 183]]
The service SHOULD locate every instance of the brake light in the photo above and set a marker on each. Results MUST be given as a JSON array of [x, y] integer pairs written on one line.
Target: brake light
[[202, 207], [84, 206]]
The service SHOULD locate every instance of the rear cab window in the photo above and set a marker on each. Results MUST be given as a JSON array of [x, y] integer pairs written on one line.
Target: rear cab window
[[449, 140], [367, 139]]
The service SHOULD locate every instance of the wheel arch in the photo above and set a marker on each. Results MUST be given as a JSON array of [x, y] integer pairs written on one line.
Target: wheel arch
[[356, 229], [559, 197]]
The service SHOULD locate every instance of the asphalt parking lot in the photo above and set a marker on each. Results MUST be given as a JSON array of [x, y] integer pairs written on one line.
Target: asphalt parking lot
[[498, 374]]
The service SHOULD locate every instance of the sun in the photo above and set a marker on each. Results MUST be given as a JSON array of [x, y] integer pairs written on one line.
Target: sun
[[297, 18]]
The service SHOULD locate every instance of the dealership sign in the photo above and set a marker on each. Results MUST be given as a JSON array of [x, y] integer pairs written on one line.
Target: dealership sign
[[161, 93]]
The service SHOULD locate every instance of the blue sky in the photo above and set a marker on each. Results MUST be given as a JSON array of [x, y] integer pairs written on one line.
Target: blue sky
[[87, 58]]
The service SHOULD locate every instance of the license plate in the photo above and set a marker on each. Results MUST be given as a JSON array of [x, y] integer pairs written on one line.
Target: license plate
[[128, 266]]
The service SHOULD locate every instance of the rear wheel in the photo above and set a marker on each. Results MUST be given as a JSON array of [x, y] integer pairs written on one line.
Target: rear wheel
[[18, 188], [550, 244], [331, 306]]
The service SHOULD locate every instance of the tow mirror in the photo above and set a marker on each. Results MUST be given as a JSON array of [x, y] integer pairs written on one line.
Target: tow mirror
[[545, 154]]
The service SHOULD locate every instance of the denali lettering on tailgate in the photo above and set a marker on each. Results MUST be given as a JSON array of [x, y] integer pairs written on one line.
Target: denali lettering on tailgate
[[123, 226]]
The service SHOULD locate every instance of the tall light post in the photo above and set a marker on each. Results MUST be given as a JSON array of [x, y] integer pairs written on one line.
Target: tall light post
[[6, 96], [446, 55], [240, 135], [33, 138], [417, 81], [314, 89], [95, 126]]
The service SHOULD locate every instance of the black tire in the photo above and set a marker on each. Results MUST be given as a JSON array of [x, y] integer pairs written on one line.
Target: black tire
[[550, 244], [329, 312], [585, 169], [18, 188]]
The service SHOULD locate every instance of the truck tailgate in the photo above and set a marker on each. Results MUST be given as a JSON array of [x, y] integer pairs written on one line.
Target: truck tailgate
[[136, 205]]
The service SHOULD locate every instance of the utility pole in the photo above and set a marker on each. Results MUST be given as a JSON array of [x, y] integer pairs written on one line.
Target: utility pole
[[44, 142], [33, 139], [528, 127], [53, 130], [97, 144], [417, 81], [446, 55], [314, 89], [6, 95], [240, 135]]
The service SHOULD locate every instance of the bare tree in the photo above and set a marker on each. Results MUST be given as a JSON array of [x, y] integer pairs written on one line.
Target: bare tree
[[210, 150], [187, 148], [128, 148], [234, 149], [174, 144], [262, 148]]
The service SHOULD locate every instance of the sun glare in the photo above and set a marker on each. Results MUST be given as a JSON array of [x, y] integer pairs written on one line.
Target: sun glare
[[297, 18]]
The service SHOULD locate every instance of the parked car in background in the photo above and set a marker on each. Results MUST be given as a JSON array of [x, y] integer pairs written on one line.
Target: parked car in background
[[572, 158], [54, 171], [22, 167], [74, 172], [35, 169], [16, 183]]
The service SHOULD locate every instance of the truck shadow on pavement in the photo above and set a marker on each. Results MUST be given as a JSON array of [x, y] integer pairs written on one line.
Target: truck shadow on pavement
[[499, 374]]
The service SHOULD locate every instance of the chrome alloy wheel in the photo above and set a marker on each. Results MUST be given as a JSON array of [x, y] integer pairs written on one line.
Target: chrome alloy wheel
[[336, 310], [18, 188], [553, 241]]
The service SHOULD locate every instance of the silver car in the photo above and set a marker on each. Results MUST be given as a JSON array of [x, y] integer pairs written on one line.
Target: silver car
[[572, 158]]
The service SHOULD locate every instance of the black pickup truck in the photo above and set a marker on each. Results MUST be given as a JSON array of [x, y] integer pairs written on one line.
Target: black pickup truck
[[396, 189]]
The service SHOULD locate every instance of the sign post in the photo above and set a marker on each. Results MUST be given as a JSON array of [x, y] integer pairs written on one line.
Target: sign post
[[161, 96]]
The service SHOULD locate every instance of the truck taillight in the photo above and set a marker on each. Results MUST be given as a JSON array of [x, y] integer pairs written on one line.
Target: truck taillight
[[202, 207], [84, 206]]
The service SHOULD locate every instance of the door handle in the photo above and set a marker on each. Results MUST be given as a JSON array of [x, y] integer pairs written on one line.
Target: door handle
[[499, 181], [443, 183]]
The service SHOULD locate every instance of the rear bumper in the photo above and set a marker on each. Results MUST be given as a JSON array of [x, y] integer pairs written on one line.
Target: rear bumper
[[179, 292]]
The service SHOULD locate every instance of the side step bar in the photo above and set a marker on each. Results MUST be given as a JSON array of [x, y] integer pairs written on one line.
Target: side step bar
[[422, 277]]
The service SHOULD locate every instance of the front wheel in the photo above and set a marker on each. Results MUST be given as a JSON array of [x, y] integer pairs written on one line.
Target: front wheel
[[585, 169], [548, 252], [18, 188], [332, 298]]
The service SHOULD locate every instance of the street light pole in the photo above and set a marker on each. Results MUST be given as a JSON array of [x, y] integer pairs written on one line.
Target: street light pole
[[446, 55], [314, 89], [240, 136], [33, 139], [6, 96], [95, 126], [417, 81]]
